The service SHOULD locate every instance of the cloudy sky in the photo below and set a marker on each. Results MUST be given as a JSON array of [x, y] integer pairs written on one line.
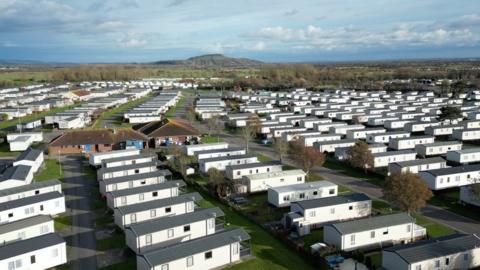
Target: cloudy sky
[[268, 30]]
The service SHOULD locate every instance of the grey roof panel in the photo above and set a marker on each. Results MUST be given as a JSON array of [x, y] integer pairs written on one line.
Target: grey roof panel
[[29, 245], [436, 247], [24, 223], [128, 167], [255, 165], [227, 158], [160, 224], [134, 208], [422, 161], [390, 153], [32, 186], [185, 249], [134, 177], [147, 188], [365, 224], [29, 154], [18, 172], [116, 159], [455, 170], [336, 200], [30, 200]]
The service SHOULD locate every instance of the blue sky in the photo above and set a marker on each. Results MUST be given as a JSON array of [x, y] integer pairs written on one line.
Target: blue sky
[[272, 31]]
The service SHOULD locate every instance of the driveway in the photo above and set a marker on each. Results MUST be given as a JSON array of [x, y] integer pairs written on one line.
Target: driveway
[[81, 242]]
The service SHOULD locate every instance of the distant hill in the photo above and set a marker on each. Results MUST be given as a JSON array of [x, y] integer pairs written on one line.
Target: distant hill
[[212, 61]]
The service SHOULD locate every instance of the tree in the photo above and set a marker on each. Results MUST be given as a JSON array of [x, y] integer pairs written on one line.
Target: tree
[[450, 113], [181, 161], [213, 125], [360, 156], [190, 114], [306, 157], [250, 130], [216, 181], [475, 188], [445, 87], [406, 191], [281, 148]]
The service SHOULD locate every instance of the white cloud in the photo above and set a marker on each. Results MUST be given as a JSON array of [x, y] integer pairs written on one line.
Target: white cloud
[[133, 43], [259, 46]]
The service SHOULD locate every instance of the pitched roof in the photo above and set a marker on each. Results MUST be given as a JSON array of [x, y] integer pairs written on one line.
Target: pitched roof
[[336, 200], [371, 223], [24, 223], [29, 245], [160, 224], [101, 136], [436, 247], [183, 198], [185, 249], [454, 170], [148, 188], [170, 127], [29, 154], [19, 172]]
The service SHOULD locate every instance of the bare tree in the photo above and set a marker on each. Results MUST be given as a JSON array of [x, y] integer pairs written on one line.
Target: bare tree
[[281, 148], [306, 157], [360, 156], [190, 113], [181, 161], [250, 130], [213, 125], [406, 191]]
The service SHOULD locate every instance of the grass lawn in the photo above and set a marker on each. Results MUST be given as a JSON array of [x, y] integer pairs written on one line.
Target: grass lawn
[[99, 123], [343, 190], [89, 172], [211, 139], [376, 259], [352, 172], [117, 240], [315, 236], [51, 170], [311, 177], [449, 200], [62, 222], [129, 264], [5, 151], [171, 111], [264, 158], [269, 252], [433, 229], [34, 116], [103, 220]]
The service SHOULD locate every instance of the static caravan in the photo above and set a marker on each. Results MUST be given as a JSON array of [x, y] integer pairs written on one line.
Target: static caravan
[[417, 165], [343, 153], [308, 214], [466, 134], [385, 158], [309, 140], [16, 176], [145, 193], [234, 172], [410, 142], [126, 215], [451, 177], [220, 163], [362, 133], [231, 151], [457, 251], [386, 137], [267, 128], [471, 124], [210, 252], [465, 156], [442, 130], [344, 129], [467, 196], [192, 148], [395, 124], [133, 181], [310, 122], [112, 172], [128, 160], [292, 136], [42, 252], [30, 157], [21, 141], [325, 127], [284, 196], [330, 146], [380, 121], [437, 148], [419, 126], [372, 232], [26, 228], [95, 159], [30, 190], [277, 132], [162, 232], [264, 181], [52, 203]]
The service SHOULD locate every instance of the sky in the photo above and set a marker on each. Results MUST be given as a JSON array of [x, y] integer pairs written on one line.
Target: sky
[[104, 31]]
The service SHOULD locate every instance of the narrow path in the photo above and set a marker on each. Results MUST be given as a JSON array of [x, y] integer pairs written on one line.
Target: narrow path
[[82, 243]]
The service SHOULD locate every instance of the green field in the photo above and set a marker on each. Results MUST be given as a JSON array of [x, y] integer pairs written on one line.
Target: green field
[[5, 151], [22, 78], [211, 139], [51, 170], [180, 104]]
